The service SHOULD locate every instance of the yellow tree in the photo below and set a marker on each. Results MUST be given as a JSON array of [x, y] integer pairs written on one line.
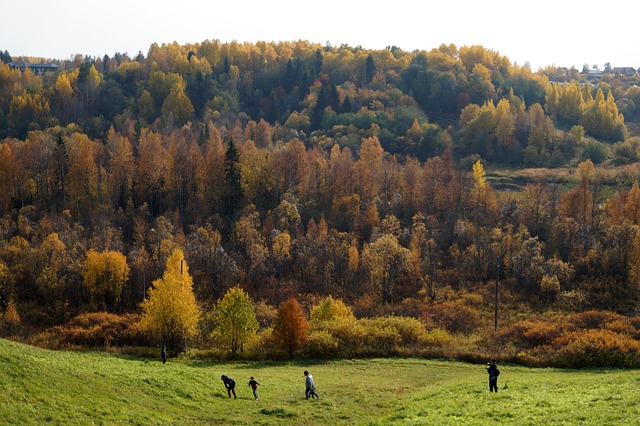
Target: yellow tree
[[484, 198], [170, 314], [105, 274], [28, 111], [83, 175], [483, 213], [505, 126], [236, 321], [49, 265], [177, 107], [570, 103], [388, 262], [258, 178], [331, 310], [64, 96], [281, 247], [368, 169]]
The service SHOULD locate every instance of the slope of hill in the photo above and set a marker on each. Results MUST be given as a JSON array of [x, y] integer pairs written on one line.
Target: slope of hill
[[39, 386]]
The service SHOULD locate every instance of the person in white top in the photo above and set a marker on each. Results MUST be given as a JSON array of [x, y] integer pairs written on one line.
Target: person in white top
[[311, 386]]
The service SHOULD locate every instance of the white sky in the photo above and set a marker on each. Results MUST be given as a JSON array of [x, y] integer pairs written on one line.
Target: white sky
[[543, 32]]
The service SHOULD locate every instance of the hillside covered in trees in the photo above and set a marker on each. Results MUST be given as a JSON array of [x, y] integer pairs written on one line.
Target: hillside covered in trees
[[296, 170]]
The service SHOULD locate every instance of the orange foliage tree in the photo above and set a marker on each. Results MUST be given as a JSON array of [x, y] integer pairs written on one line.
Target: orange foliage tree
[[291, 327]]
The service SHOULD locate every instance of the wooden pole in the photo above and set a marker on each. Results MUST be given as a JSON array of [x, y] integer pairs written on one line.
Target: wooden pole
[[495, 322]]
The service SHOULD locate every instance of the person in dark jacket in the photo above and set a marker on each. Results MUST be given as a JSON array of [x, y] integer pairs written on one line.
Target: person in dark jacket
[[163, 354], [254, 387], [493, 371], [230, 384]]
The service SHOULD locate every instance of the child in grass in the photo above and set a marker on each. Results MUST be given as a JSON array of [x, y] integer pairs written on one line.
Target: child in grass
[[254, 386]]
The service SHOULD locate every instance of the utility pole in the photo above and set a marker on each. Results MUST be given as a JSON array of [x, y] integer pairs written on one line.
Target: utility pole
[[495, 321]]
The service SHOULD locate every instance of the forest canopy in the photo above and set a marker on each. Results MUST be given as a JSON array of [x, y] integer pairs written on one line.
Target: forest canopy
[[296, 169]]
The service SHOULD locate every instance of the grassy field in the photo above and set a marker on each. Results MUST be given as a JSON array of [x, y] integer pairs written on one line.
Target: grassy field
[[39, 387]]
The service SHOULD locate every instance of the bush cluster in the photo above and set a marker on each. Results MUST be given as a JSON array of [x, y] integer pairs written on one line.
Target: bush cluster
[[448, 327], [587, 339], [101, 329], [368, 337]]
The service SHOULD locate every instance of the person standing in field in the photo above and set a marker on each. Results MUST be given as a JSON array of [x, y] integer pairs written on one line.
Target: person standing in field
[[493, 371], [230, 384], [311, 386], [254, 387], [163, 354]]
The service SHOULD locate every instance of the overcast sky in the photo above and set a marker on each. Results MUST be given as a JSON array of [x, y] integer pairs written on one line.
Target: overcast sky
[[544, 32]]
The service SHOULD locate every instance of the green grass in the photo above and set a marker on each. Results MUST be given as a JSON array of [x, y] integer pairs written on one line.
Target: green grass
[[39, 387]]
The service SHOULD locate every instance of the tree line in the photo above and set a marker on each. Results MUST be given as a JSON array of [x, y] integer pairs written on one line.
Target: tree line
[[422, 102], [287, 219]]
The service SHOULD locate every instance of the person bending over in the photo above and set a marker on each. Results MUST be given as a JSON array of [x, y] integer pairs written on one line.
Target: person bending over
[[230, 384]]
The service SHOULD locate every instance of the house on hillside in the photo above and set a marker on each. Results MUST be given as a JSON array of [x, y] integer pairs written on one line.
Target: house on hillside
[[35, 68], [594, 73], [624, 71]]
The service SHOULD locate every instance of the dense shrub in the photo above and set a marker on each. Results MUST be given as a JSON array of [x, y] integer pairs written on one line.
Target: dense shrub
[[382, 336], [410, 331], [101, 329], [322, 344], [595, 151], [10, 321], [265, 314], [594, 319], [330, 309], [528, 334], [454, 316], [573, 300], [261, 346], [380, 339], [635, 323], [596, 348], [435, 338], [351, 336], [621, 326]]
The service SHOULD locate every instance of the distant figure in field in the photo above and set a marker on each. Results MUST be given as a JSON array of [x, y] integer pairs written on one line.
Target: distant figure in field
[[311, 386], [254, 386], [230, 384], [493, 371], [163, 354]]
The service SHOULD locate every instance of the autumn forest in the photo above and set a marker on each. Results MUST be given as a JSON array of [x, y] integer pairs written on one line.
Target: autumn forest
[[335, 201]]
